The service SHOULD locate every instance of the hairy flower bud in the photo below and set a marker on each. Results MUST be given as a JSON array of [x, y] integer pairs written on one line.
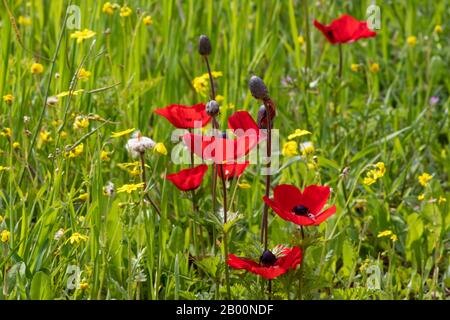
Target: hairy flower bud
[[212, 108], [258, 88], [204, 45]]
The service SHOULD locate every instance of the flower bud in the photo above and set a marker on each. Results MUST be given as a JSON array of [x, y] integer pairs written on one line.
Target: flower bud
[[204, 45], [212, 108], [258, 88]]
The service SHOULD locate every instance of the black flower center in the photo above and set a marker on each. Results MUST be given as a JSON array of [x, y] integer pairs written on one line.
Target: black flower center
[[301, 210], [268, 259]]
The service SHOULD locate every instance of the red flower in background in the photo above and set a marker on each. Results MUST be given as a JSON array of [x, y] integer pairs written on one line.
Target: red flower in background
[[232, 170], [220, 149], [302, 208], [188, 179], [183, 117], [270, 266], [346, 29]]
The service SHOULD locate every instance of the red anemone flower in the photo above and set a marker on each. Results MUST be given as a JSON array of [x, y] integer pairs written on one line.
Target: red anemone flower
[[269, 265], [232, 170], [184, 117], [242, 123], [346, 29], [302, 208], [220, 149], [188, 179]]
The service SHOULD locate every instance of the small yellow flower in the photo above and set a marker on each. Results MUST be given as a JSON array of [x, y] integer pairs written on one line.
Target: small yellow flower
[[298, 133], [5, 235], [84, 285], [312, 165], [104, 156], [75, 152], [63, 134], [77, 238], [82, 35], [381, 169], [220, 98], [122, 133], [355, 67], [6, 132], [66, 93], [201, 83], [45, 136], [244, 185], [373, 175], [16, 145], [301, 40], [109, 8], [442, 200], [84, 196], [421, 197], [374, 68], [412, 41], [37, 68], [307, 148], [130, 187], [438, 29], [9, 98], [81, 123], [148, 21], [290, 149], [385, 233], [424, 178], [84, 75], [394, 238], [369, 180], [160, 148], [24, 21], [125, 11]]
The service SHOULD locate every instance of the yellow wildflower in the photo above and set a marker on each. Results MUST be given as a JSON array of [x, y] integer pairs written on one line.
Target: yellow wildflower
[[72, 93], [63, 134], [298, 133], [160, 148], [244, 185], [307, 148], [24, 21], [385, 233], [45, 136], [6, 132], [82, 35], [424, 178], [80, 123], [394, 237], [421, 197], [9, 98], [148, 21], [201, 83], [412, 41], [16, 145], [220, 98], [130, 187], [75, 152], [374, 68], [5, 235], [125, 11], [373, 175], [355, 67], [438, 29], [37, 68], [381, 169], [109, 8], [84, 285], [290, 149], [122, 133], [77, 238], [84, 196], [301, 40], [442, 200], [104, 155], [84, 75]]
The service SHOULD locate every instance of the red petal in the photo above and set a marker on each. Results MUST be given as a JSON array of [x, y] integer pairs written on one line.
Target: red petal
[[325, 215], [184, 117], [287, 214], [291, 259], [287, 196], [232, 170], [345, 29], [188, 179], [314, 198], [242, 121]]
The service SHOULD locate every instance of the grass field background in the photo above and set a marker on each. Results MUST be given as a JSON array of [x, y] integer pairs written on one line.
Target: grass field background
[[124, 249]]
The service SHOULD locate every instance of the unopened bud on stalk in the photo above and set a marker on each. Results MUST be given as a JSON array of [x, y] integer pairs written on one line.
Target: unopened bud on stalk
[[212, 108], [262, 118], [258, 88], [204, 45]]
